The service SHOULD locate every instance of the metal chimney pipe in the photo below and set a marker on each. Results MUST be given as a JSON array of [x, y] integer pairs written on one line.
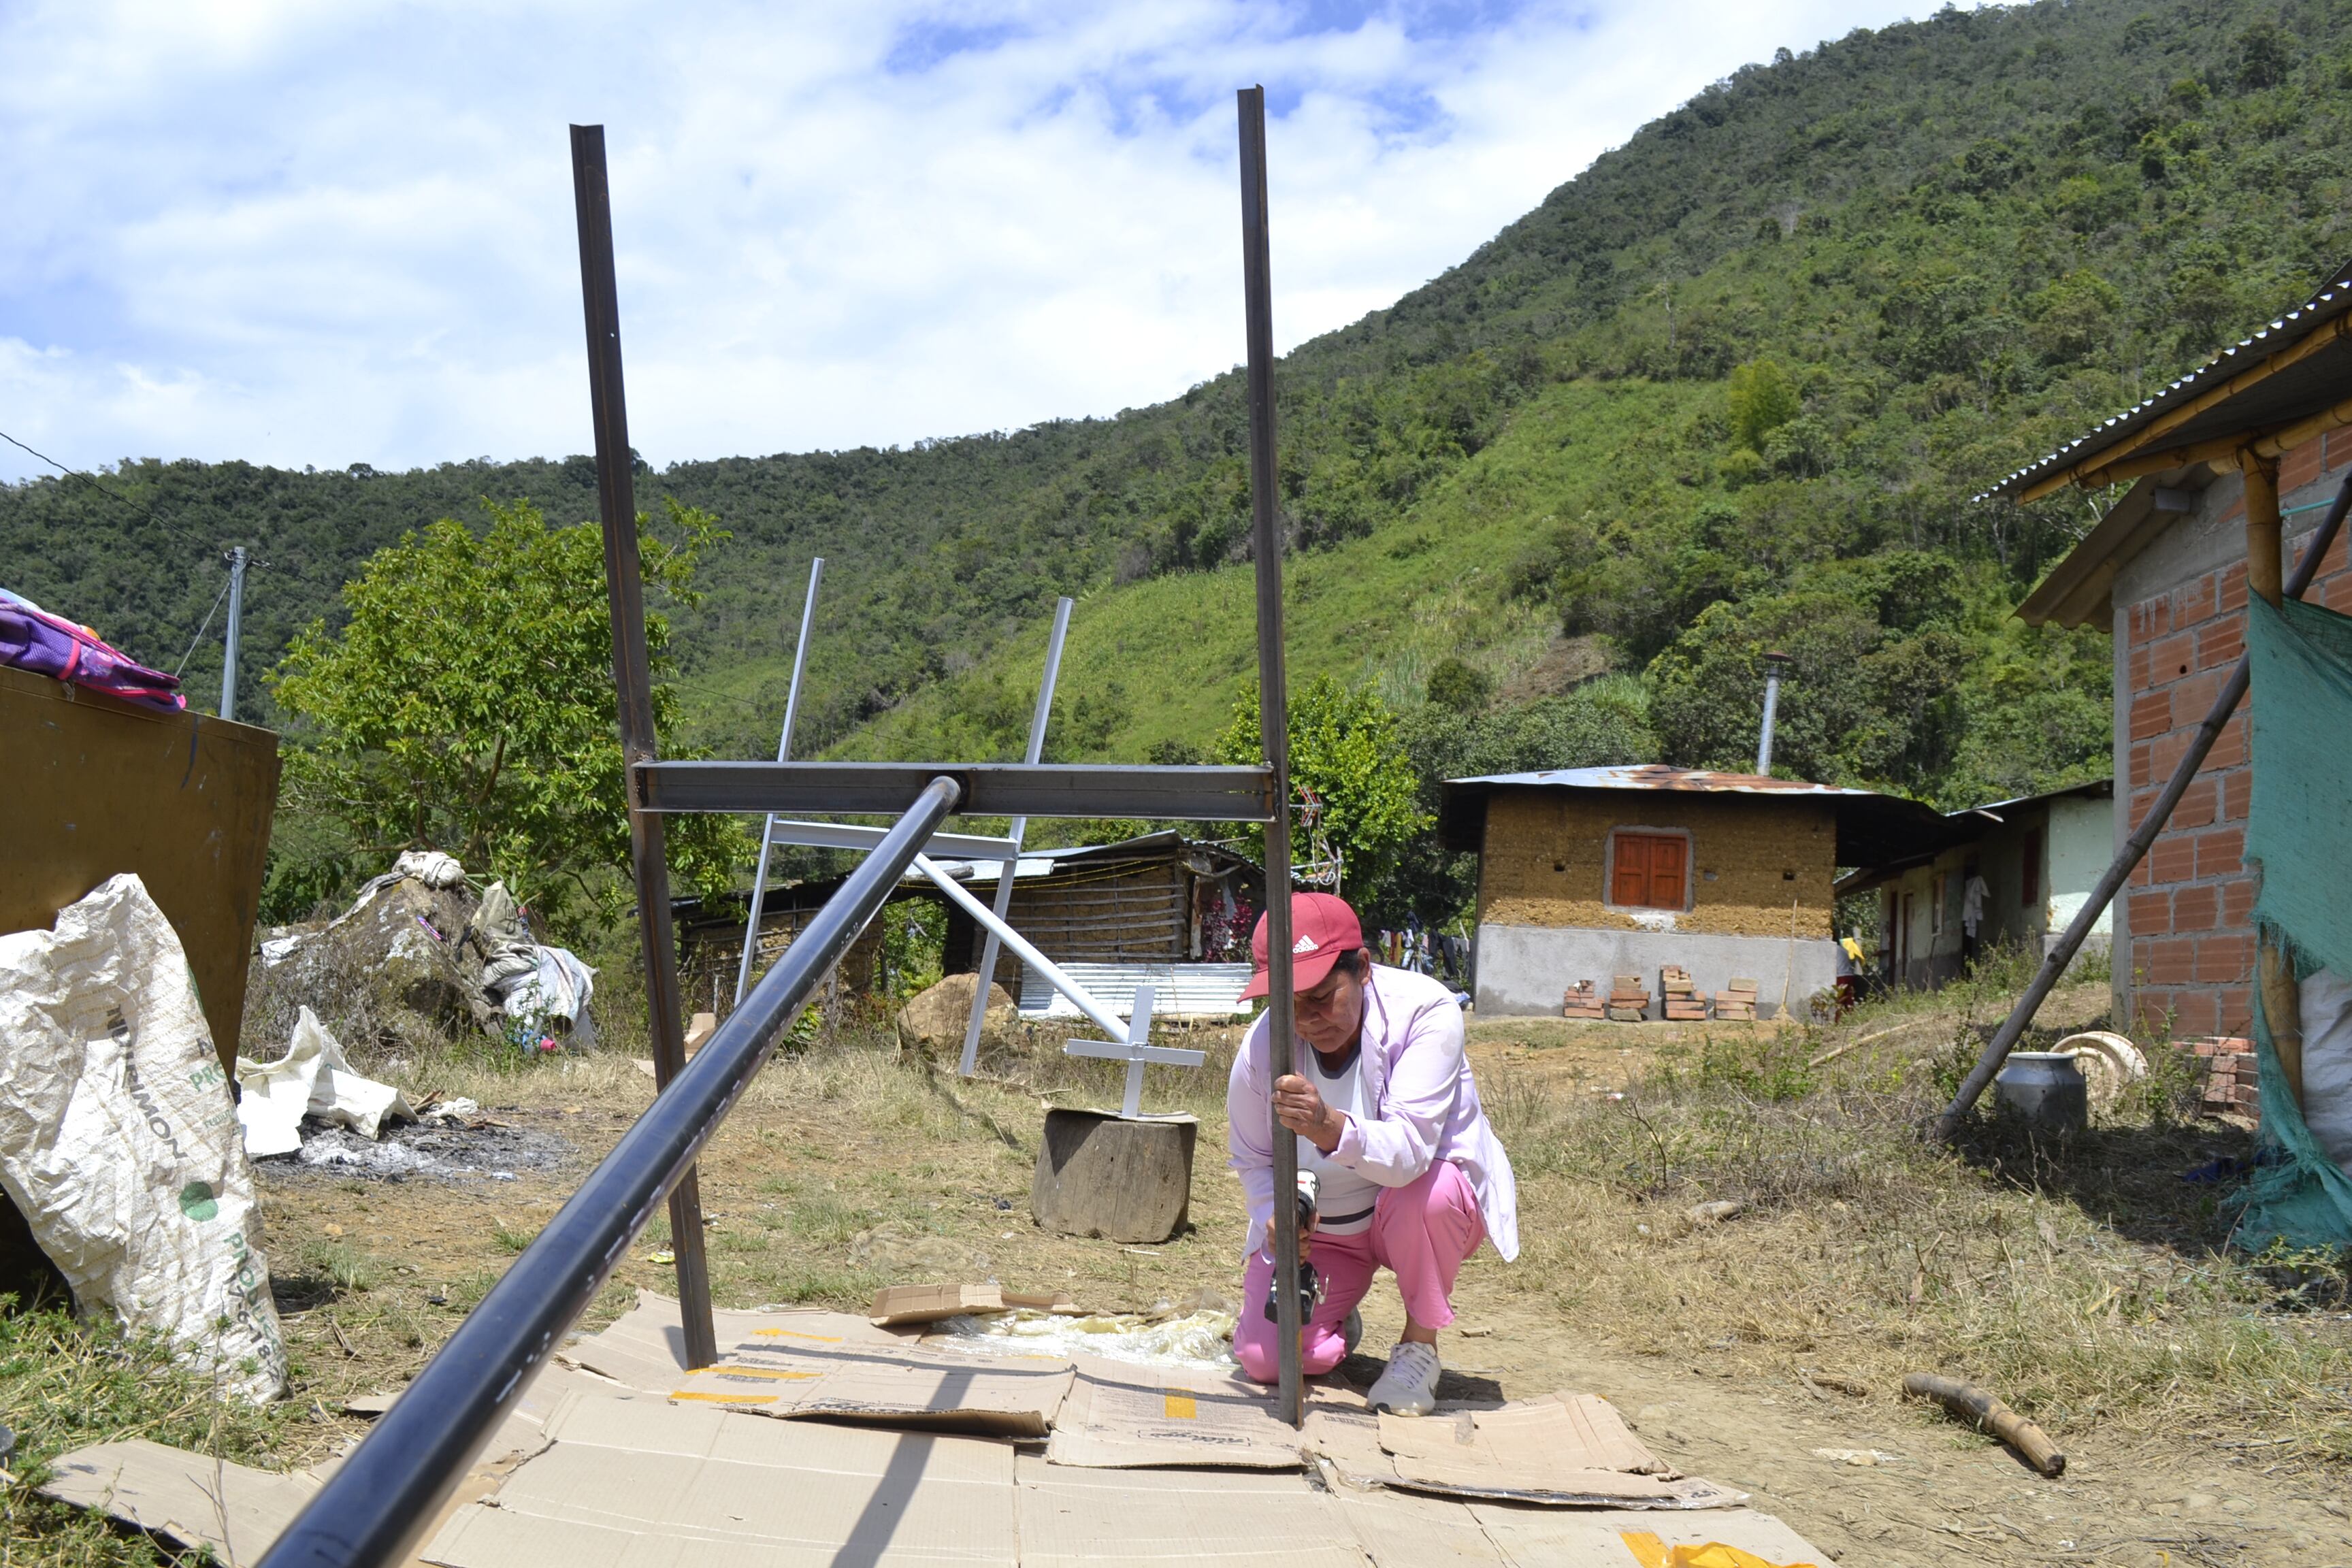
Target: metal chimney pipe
[[235, 632], [1773, 666]]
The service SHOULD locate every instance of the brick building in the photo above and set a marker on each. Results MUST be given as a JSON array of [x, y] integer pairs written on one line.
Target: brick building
[[2167, 571]]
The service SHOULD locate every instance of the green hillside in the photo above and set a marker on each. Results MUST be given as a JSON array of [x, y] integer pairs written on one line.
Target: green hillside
[[1730, 389]]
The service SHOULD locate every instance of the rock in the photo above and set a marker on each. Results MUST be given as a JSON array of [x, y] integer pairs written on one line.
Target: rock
[[1715, 1213], [391, 967], [932, 1023]]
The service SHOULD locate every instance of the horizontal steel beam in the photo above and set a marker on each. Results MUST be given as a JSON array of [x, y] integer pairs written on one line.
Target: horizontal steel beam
[[850, 836], [989, 789]]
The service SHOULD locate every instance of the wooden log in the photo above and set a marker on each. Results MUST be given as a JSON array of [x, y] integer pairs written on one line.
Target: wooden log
[[1987, 1413], [1100, 1174]]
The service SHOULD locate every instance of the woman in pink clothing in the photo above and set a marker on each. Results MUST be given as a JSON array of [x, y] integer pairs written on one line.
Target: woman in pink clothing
[[1387, 1117]]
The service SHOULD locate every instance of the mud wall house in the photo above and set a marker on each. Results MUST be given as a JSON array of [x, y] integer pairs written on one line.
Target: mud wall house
[[1586, 873], [2234, 464], [1158, 899], [2037, 855]]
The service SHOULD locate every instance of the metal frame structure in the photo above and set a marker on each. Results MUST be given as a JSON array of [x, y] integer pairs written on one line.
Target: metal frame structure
[[769, 824], [392, 1487]]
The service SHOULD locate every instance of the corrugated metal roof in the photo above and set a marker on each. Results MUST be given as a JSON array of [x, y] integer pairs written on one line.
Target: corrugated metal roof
[[1659, 776], [2283, 395]]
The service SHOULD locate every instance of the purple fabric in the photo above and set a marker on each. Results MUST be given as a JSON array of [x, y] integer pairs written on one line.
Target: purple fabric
[[32, 639]]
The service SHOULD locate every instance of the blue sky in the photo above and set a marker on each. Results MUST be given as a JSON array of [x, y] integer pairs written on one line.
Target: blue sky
[[303, 233]]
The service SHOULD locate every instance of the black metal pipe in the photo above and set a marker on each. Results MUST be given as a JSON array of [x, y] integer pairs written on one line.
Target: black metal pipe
[[371, 1510], [2054, 963], [633, 683], [1274, 725]]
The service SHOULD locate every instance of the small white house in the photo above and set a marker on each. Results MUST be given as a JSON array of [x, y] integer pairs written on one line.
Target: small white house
[[2015, 872]]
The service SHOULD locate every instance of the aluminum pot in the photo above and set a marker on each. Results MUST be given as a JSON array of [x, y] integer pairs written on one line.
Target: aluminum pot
[[2045, 1091]]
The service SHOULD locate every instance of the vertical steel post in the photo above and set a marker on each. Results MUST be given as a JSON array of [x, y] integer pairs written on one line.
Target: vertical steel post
[[1773, 664], [633, 679], [783, 755], [235, 632], [1274, 725], [970, 1061]]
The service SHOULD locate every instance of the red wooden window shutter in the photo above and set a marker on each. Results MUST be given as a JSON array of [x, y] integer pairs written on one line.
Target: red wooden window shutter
[[1665, 874], [1647, 870], [1631, 883]]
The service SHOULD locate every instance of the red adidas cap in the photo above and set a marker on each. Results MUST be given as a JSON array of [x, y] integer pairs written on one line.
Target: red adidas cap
[[1322, 927]]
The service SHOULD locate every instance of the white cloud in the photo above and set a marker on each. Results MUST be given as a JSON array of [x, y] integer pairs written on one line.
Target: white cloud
[[334, 233]]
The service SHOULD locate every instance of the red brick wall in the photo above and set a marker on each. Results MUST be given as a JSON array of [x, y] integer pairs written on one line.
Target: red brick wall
[[2190, 905]]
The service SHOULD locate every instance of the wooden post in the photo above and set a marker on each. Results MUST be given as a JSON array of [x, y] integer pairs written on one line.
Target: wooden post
[[632, 675], [2282, 999]]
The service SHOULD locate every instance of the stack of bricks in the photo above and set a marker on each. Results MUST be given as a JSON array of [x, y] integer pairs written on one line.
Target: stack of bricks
[[1737, 1000], [1582, 1001], [2226, 1076], [1629, 1000], [1684, 1002], [2189, 916]]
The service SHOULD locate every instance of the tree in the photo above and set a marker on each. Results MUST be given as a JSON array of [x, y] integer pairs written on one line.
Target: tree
[[1761, 399], [1344, 746], [468, 704]]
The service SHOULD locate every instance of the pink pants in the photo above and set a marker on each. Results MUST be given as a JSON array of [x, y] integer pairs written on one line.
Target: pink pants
[[1422, 1230]]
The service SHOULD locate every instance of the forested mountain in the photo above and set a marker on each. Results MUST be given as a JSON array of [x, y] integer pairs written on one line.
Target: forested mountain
[[1731, 388]]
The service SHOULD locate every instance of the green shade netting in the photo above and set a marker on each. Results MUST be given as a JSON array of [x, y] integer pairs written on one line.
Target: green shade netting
[[2300, 832]]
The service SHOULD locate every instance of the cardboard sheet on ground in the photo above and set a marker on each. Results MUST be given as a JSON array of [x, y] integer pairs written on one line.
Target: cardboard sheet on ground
[[236, 1511], [644, 1347], [895, 1385], [1119, 1416], [1565, 1450], [905, 1304], [633, 1480], [1401, 1529], [1072, 1517]]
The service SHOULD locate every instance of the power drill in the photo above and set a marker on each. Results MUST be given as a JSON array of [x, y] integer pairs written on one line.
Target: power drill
[[1310, 1283]]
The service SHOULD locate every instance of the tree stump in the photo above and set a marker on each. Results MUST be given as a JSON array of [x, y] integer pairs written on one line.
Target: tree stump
[[1102, 1174]]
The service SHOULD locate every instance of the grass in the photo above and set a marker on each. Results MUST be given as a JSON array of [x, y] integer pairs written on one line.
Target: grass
[[65, 1385], [2088, 1283]]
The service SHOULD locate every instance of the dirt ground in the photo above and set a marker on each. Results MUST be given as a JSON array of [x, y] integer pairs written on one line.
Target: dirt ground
[[842, 1171]]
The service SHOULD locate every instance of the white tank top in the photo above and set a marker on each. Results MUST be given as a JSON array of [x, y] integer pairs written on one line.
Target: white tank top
[[1345, 1204]]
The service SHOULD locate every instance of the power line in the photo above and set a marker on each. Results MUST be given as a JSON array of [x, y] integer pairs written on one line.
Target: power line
[[184, 531], [200, 630]]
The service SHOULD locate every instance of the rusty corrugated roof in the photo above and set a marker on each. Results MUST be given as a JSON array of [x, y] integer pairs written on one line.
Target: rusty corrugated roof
[[1659, 776]]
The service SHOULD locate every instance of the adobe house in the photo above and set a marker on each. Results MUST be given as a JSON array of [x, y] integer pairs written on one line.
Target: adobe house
[[1585, 873], [2229, 469], [1159, 900], [2037, 856]]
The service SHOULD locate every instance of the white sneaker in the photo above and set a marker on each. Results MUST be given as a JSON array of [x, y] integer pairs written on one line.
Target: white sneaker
[[1409, 1387]]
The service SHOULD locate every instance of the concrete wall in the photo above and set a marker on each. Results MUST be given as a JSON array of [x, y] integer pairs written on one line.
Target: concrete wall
[[2185, 955], [2081, 845], [1523, 970]]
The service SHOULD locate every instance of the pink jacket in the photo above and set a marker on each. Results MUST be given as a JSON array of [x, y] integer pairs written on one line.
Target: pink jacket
[[1416, 1073]]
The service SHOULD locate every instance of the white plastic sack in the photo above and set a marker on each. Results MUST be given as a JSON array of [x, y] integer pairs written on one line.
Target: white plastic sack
[[119, 1142], [2326, 999], [312, 1079], [558, 986], [430, 866]]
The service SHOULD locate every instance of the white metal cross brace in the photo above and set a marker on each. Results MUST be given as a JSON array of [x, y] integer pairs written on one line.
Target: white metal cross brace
[[1130, 1042], [1135, 1051]]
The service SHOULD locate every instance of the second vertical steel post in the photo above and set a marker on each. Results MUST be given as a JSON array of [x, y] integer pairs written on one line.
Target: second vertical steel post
[[1274, 725], [633, 675]]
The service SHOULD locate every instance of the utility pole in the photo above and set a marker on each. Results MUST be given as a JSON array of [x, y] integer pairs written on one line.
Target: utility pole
[[235, 624]]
